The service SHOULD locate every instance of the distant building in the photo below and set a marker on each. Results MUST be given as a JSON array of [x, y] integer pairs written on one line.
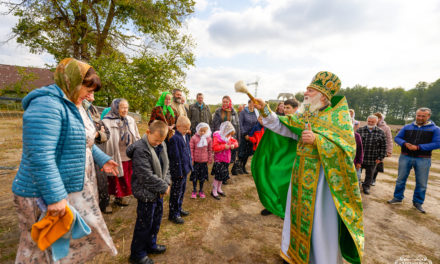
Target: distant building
[[283, 96], [25, 78]]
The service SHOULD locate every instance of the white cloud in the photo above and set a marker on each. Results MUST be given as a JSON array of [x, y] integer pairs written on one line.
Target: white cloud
[[285, 42], [11, 52], [376, 43], [216, 82], [201, 5]]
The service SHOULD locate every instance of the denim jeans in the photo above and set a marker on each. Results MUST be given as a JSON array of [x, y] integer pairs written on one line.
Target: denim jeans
[[359, 174], [421, 168], [177, 192]]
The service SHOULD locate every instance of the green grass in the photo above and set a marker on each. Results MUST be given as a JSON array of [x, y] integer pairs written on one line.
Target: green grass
[[8, 257]]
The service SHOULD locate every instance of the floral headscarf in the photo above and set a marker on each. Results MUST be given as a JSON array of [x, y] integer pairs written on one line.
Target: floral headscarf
[[161, 102], [229, 107], [203, 139], [124, 132], [69, 76]]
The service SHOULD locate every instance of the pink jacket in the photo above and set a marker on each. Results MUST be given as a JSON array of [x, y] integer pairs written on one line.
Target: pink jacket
[[220, 153], [203, 154]]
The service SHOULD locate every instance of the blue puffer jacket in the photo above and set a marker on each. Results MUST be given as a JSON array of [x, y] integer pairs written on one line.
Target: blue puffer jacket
[[54, 147]]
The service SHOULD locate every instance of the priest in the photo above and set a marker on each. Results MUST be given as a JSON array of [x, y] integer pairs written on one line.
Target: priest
[[323, 210]]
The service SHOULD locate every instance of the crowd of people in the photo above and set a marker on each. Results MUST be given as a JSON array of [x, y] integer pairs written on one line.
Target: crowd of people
[[76, 162]]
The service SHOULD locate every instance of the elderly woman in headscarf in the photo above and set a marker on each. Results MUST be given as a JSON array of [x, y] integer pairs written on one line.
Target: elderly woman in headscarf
[[123, 133], [101, 136], [56, 175], [356, 124], [227, 113], [165, 112]]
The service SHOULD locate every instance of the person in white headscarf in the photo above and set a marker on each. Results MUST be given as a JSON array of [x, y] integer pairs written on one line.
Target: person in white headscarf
[[356, 124], [223, 143], [201, 154]]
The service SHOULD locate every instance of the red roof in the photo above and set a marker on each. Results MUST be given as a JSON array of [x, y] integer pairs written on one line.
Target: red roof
[[9, 75]]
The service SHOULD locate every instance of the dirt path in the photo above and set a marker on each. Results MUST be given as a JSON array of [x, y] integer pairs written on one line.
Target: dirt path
[[392, 231], [227, 231]]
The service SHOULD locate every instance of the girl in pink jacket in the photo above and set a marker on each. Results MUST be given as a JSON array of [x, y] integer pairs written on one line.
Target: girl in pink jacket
[[201, 154], [223, 143]]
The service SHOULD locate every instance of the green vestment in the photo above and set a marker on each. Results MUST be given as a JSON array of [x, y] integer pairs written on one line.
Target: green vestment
[[334, 150]]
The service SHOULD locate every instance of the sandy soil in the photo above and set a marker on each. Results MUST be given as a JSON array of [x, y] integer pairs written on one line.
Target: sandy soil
[[233, 231]]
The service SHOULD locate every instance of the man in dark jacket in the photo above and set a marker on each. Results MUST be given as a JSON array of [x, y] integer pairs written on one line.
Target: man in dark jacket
[[150, 182], [417, 141], [199, 112], [179, 153], [248, 118], [375, 149]]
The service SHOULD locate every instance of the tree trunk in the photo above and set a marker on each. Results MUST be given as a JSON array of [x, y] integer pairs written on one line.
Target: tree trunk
[[103, 36]]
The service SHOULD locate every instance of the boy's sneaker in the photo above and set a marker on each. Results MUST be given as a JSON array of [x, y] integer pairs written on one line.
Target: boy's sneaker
[[193, 195], [394, 201], [202, 195]]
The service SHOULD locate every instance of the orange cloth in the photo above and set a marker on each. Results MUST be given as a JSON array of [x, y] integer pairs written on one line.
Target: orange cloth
[[51, 228]]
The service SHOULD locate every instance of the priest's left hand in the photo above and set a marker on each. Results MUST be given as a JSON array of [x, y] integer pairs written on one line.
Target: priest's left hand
[[308, 137], [111, 167]]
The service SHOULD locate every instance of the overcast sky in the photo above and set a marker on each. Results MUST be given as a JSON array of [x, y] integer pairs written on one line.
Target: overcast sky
[[283, 43]]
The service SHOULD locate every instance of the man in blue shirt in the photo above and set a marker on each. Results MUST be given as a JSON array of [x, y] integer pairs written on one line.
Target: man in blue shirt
[[417, 140]]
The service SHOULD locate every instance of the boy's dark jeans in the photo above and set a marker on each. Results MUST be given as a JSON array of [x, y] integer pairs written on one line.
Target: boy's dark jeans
[[149, 216], [177, 192]]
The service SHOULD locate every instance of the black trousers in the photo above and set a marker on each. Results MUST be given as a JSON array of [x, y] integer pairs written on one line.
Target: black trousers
[[104, 197], [149, 216], [178, 188], [200, 174], [379, 168], [369, 175]]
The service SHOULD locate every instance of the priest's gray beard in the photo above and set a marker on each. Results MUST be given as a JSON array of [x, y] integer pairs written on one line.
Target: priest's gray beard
[[314, 102]]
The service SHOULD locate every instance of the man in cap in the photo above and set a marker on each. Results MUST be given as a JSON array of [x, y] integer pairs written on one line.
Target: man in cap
[[323, 212]]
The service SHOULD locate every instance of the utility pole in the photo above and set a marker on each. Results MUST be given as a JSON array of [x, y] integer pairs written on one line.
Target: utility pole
[[256, 85]]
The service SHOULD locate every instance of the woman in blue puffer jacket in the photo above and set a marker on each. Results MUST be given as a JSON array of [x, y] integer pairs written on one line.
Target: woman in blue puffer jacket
[[57, 163]]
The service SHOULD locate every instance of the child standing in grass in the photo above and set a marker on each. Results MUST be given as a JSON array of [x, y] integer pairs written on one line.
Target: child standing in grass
[[223, 143], [150, 183], [201, 153], [179, 153]]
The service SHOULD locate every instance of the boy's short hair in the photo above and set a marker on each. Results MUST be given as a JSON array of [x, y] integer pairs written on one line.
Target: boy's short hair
[[159, 126], [183, 120], [292, 102]]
